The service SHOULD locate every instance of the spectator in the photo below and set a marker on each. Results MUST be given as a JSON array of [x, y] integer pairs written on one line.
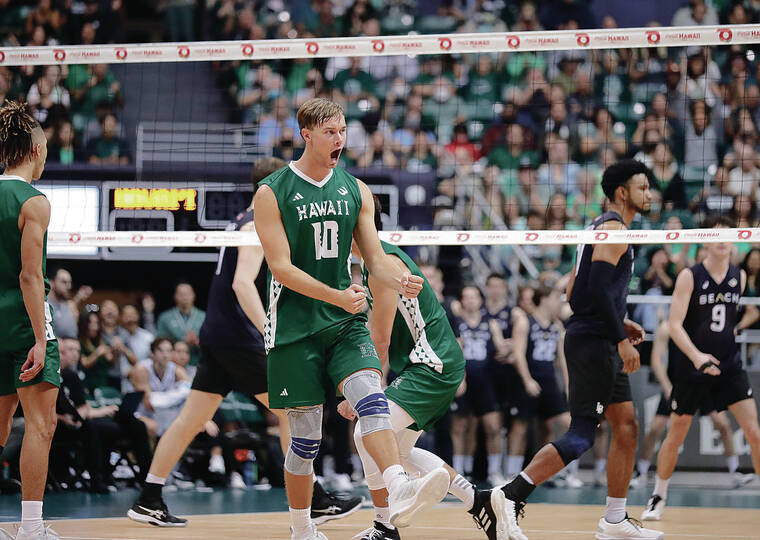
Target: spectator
[[668, 179], [510, 156], [568, 70], [353, 81], [559, 172], [97, 357], [66, 308], [423, 158], [715, 198], [108, 149], [483, 84], [181, 355], [96, 429], [695, 14], [180, 15], [700, 148], [136, 339], [183, 322], [273, 124], [461, 140], [527, 192], [165, 384], [378, 154], [115, 337], [63, 147], [56, 93], [586, 204], [745, 178], [91, 86], [445, 107]]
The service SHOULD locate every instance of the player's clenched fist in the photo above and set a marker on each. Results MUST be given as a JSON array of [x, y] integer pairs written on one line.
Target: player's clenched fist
[[352, 299], [411, 285]]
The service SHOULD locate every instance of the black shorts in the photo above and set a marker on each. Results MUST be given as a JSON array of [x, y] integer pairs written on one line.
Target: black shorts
[[595, 370], [480, 396], [706, 407], [548, 404], [224, 369], [720, 392]]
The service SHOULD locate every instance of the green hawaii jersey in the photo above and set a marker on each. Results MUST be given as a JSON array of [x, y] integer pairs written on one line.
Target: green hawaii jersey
[[421, 331], [319, 219], [16, 328]]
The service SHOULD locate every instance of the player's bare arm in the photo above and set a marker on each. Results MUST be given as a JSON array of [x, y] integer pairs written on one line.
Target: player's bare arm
[[384, 307], [520, 344], [678, 308], [610, 254], [268, 222], [33, 221], [248, 265], [659, 347], [377, 261]]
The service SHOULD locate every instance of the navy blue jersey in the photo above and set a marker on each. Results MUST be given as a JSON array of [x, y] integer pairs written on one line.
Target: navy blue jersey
[[710, 321], [477, 342], [585, 320], [226, 323], [503, 318], [542, 348]]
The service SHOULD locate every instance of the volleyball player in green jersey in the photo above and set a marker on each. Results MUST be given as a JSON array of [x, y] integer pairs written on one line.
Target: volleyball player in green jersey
[[29, 361], [306, 216], [414, 339]]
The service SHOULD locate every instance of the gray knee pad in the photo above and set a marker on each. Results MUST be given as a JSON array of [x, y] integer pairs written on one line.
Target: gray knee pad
[[363, 391], [305, 438]]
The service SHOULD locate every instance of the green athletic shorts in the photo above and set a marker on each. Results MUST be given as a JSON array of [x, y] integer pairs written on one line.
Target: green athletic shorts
[[424, 393], [10, 369], [299, 374]]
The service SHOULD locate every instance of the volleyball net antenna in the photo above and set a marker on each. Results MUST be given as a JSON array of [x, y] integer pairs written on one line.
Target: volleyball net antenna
[[483, 141]]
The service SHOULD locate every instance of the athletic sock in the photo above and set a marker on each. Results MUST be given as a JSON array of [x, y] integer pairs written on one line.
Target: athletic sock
[[615, 510], [356, 463], [151, 491], [514, 465], [463, 490], [600, 465], [383, 515], [572, 467], [733, 463], [458, 463], [467, 467], [661, 487], [494, 464], [31, 517], [300, 518], [393, 476], [520, 488], [643, 466]]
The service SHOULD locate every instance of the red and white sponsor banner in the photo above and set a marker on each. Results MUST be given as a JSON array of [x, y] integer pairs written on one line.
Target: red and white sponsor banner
[[620, 38], [412, 238]]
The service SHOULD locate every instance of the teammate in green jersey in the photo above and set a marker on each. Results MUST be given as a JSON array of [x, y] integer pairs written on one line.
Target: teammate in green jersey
[[29, 362], [306, 216], [414, 339]]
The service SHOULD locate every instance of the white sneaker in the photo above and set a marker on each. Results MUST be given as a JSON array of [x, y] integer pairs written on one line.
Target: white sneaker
[[46, 534], [572, 481], [740, 480], [236, 481], [313, 534], [628, 529], [496, 480], [506, 522], [654, 510], [414, 495], [216, 465]]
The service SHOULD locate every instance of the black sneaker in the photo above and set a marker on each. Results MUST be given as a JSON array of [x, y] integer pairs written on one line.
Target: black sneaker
[[379, 532], [483, 513], [155, 513], [326, 506]]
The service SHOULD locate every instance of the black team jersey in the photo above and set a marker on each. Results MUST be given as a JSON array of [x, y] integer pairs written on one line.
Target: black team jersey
[[585, 319], [710, 321]]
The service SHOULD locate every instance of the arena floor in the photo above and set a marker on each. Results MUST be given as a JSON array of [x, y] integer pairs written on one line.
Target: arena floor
[[553, 514]]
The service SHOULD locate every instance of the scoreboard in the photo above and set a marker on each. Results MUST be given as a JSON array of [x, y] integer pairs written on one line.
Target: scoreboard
[[159, 206]]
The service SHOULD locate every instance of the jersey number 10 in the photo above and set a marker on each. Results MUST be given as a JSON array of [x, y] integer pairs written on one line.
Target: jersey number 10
[[326, 240]]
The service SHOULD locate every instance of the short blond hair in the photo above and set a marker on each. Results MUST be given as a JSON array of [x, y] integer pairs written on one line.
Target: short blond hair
[[316, 111]]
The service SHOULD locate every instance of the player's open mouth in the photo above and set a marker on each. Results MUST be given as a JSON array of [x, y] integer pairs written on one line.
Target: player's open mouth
[[335, 154]]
